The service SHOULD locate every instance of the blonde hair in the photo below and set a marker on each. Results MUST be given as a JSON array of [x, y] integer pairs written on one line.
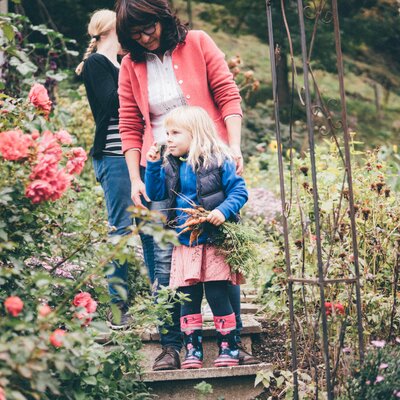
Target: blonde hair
[[101, 23], [206, 144]]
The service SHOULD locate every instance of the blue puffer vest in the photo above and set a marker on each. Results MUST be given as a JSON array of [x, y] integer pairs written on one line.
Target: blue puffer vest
[[208, 185]]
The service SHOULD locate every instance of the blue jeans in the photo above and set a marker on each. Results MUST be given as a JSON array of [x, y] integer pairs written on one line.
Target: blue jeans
[[162, 272], [113, 175]]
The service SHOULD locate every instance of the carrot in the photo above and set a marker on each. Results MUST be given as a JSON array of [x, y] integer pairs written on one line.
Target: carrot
[[189, 228], [194, 221], [194, 236], [189, 211]]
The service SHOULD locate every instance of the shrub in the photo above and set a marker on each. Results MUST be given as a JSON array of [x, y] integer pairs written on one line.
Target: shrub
[[379, 377], [54, 254]]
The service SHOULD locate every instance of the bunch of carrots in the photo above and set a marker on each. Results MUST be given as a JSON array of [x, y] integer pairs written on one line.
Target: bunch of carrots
[[197, 216], [238, 243]]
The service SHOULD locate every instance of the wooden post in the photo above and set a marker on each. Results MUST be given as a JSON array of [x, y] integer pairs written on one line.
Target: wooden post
[[3, 6], [189, 12]]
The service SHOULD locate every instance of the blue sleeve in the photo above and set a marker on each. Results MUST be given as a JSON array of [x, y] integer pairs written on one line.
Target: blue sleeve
[[154, 180], [235, 191]]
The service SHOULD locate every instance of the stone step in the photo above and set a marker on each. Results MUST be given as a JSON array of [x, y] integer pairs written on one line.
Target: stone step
[[245, 308], [248, 298], [151, 350], [249, 308], [230, 383], [248, 290]]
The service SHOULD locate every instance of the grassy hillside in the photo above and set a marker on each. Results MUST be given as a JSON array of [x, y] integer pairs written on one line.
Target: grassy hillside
[[360, 92]]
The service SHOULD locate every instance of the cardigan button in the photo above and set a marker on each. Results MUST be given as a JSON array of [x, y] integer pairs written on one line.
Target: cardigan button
[[180, 81], [176, 66], [188, 96]]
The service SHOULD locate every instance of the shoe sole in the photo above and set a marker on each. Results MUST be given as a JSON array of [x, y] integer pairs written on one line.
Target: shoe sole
[[165, 369], [192, 365], [226, 363], [117, 327]]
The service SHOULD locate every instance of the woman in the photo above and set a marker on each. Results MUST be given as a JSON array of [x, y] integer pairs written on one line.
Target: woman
[[100, 70], [167, 67]]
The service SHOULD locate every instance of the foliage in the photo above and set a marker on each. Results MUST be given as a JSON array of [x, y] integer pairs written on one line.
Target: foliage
[[33, 53], [239, 244], [54, 253], [377, 221], [360, 44], [280, 384], [379, 376], [73, 113]]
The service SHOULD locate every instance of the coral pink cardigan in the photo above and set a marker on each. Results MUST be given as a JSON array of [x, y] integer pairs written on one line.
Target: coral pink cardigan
[[205, 80]]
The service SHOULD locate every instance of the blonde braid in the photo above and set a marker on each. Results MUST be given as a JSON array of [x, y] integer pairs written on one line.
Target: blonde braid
[[91, 48]]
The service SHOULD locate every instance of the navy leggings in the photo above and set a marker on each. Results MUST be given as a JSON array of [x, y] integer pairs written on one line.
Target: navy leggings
[[217, 296]]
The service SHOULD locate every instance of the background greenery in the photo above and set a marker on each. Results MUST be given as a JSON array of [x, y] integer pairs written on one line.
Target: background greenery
[[42, 43]]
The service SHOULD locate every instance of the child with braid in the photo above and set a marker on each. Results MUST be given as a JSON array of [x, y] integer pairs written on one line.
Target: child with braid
[[199, 167]]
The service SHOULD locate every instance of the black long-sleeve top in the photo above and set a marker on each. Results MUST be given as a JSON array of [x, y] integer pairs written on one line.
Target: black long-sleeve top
[[100, 77]]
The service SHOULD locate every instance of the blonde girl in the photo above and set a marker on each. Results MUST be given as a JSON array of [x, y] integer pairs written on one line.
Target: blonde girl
[[199, 169], [100, 72]]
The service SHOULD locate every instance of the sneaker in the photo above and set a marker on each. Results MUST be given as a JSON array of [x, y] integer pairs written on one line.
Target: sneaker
[[245, 358], [168, 359], [122, 321]]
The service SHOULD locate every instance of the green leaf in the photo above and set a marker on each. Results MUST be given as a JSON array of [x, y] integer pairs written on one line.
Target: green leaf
[[90, 380], [57, 77], [27, 68], [8, 32], [279, 381]]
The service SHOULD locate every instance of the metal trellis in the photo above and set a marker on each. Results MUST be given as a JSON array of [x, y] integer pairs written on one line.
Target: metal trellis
[[311, 105]]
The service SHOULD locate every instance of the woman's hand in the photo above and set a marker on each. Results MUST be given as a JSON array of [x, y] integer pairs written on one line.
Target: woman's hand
[[137, 189], [154, 153], [238, 158], [216, 217]]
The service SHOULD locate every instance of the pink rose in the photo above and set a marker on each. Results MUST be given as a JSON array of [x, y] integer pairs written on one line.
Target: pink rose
[[63, 137], [14, 305], [49, 145], [61, 182], [2, 394], [44, 310], [76, 162], [35, 134], [46, 167], [56, 338], [14, 145], [39, 97], [91, 306], [39, 190], [81, 299], [85, 300]]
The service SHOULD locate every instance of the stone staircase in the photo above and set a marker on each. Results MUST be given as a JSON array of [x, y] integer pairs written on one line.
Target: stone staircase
[[227, 383]]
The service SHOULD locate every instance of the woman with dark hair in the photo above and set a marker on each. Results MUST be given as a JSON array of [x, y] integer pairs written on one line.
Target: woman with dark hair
[[99, 70], [168, 67]]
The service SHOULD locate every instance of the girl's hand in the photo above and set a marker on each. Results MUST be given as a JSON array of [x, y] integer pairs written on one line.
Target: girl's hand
[[216, 217], [154, 153], [138, 188]]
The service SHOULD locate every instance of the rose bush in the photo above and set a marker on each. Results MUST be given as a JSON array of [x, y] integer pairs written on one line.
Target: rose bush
[[54, 254]]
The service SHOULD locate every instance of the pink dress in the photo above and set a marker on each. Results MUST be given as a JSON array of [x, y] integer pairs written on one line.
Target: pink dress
[[191, 265]]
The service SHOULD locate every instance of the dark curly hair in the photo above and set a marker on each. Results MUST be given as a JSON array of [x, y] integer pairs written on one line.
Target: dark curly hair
[[133, 13]]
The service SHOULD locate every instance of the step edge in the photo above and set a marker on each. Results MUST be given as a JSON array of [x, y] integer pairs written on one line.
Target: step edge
[[203, 373]]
